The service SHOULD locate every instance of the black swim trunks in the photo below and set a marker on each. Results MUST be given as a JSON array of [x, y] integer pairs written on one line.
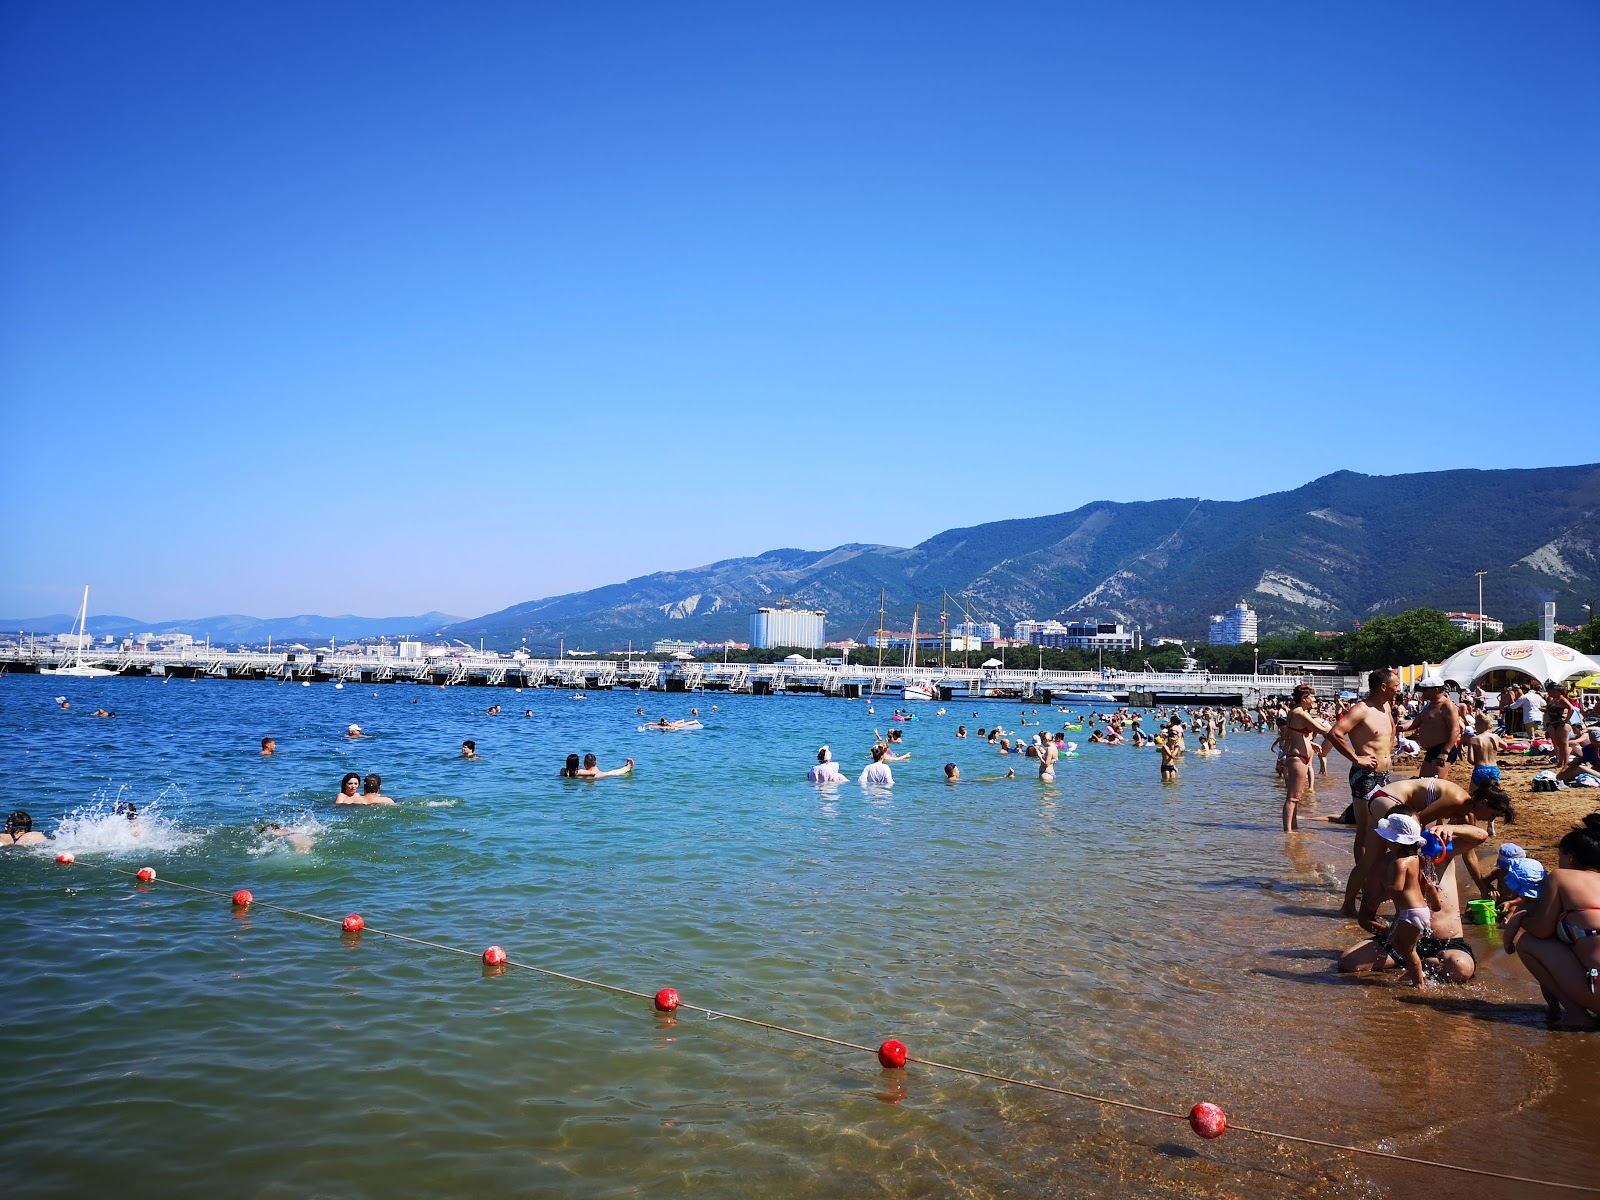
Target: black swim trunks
[[1437, 755], [1429, 946], [1364, 779]]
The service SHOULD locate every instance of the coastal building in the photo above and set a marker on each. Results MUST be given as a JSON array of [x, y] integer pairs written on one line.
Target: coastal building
[[672, 646], [890, 640], [719, 647], [984, 631], [786, 626], [1472, 622], [1076, 635], [1236, 627]]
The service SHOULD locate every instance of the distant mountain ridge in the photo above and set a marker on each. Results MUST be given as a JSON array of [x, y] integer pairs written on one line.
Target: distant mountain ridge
[[1322, 556], [230, 629]]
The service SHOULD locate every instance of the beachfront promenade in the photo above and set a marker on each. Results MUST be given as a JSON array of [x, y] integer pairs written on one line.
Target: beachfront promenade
[[493, 670]]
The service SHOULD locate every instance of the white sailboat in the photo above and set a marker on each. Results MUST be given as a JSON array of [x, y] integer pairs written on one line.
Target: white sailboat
[[76, 669], [914, 689]]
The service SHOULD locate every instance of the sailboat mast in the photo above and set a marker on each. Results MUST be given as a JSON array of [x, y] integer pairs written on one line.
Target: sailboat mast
[[944, 626], [881, 593], [911, 648], [83, 624]]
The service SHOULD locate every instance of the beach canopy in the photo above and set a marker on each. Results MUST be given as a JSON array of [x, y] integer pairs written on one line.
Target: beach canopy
[[994, 662], [1589, 683], [1545, 661]]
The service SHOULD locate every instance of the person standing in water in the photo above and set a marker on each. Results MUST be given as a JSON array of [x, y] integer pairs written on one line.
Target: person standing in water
[[1299, 728]]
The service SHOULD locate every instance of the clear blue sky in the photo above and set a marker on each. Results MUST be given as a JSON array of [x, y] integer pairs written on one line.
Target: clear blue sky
[[383, 307]]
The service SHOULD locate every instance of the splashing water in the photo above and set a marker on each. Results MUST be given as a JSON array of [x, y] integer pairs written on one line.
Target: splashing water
[[105, 825]]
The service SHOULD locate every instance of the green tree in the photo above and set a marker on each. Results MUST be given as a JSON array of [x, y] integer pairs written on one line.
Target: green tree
[[1421, 635]]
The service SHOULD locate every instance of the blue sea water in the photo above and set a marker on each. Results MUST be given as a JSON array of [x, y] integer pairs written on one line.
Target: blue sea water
[[1108, 934]]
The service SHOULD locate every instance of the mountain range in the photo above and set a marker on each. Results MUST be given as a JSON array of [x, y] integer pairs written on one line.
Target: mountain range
[[1322, 556]]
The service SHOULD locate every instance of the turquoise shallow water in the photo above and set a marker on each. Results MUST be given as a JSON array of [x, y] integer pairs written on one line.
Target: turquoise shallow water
[[1109, 934]]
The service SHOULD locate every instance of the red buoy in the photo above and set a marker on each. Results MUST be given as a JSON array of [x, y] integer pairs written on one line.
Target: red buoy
[[494, 956], [666, 1000], [892, 1054], [243, 899], [65, 858], [1208, 1120], [354, 924], [147, 874]]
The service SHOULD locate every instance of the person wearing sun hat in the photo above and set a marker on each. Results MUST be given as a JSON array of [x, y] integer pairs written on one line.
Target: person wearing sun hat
[[1431, 802], [1413, 894], [1494, 881], [1446, 955]]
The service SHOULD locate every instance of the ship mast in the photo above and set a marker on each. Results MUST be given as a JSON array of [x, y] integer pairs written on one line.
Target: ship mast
[[881, 593], [944, 626]]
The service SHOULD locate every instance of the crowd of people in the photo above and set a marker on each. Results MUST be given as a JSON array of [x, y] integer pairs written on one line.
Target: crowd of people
[[1410, 832]]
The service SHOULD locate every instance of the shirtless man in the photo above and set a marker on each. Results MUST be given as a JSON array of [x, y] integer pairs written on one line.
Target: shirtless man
[[1437, 727], [347, 792], [1431, 801], [591, 769], [1365, 735], [269, 746], [372, 790]]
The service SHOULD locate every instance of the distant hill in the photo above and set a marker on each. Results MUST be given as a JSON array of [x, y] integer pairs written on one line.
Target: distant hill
[[1322, 556], [228, 630]]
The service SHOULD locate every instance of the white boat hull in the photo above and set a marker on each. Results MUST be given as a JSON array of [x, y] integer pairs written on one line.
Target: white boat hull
[[915, 691], [79, 672]]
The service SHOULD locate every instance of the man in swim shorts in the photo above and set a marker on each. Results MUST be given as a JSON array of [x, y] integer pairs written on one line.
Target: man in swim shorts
[[1437, 727], [1365, 735]]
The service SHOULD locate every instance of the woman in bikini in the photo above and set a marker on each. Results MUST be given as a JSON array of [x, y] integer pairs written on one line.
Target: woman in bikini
[[1558, 724], [1302, 725], [1560, 942]]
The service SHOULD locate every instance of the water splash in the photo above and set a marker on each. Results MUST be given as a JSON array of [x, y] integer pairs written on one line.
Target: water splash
[[117, 824]]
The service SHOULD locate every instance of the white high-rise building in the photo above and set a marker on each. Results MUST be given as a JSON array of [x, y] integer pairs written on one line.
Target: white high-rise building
[[785, 626], [1236, 627]]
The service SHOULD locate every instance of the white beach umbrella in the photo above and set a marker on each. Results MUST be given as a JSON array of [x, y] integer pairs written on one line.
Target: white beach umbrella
[[994, 662], [1545, 661]]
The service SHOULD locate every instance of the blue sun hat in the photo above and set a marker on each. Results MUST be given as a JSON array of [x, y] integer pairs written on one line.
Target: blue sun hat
[[1509, 853], [1525, 876]]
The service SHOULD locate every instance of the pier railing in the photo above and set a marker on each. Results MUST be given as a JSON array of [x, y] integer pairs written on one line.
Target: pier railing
[[850, 679]]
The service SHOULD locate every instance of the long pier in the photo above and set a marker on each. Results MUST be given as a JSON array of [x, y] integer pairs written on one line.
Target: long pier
[[850, 681]]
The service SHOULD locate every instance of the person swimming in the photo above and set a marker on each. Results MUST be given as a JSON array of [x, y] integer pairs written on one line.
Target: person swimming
[[20, 831]]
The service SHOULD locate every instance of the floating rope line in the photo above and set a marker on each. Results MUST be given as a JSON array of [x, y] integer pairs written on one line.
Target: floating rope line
[[1207, 1124]]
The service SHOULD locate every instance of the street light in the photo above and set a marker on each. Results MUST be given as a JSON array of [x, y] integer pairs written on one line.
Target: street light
[[1480, 575]]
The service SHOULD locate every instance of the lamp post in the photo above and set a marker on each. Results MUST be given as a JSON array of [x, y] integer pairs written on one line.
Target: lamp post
[[1480, 575]]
